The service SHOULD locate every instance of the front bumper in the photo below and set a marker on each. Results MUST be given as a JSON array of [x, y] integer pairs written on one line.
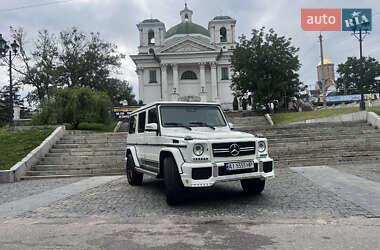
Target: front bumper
[[188, 181]]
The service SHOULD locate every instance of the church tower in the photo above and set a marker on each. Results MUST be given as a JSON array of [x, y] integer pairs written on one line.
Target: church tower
[[186, 14], [222, 31], [152, 35]]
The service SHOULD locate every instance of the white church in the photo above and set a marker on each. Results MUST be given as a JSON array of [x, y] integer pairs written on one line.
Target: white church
[[186, 62]]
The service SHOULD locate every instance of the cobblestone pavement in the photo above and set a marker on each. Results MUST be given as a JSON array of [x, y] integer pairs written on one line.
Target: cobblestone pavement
[[288, 195], [18, 190]]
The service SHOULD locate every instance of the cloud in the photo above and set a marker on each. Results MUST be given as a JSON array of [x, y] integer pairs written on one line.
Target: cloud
[[116, 21]]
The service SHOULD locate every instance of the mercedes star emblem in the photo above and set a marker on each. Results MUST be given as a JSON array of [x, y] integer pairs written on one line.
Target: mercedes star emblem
[[234, 149]]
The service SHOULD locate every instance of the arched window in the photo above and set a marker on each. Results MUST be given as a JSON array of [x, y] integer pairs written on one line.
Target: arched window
[[188, 75], [151, 51], [223, 35], [186, 17], [150, 37]]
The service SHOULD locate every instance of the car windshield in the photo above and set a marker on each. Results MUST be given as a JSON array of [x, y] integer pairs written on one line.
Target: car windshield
[[192, 116]]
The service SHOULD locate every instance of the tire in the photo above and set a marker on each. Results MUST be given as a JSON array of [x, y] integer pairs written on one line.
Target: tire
[[253, 186], [134, 178], [173, 183]]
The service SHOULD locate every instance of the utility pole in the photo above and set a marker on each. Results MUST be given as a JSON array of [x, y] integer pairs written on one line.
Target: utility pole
[[362, 103], [322, 71], [11, 123]]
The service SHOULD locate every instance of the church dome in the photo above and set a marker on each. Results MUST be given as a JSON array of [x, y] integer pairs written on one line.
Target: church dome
[[325, 61], [185, 28], [222, 18]]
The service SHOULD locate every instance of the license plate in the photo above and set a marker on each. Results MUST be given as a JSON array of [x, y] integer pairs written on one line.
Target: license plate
[[239, 165]]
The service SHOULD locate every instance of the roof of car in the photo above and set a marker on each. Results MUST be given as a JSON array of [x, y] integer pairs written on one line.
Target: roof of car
[[174, 102]]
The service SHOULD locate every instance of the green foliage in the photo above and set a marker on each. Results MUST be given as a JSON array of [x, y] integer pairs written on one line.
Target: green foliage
[[235, 104], [71, 59], [15, 144], [348, 81], [267, 66], [5, 106], [73, 106], [284, 118], [93, 126]]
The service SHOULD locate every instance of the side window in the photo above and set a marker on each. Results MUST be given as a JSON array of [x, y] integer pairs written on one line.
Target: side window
[[223, 35], [152, 116], [152, 76], [132, 125], [225, 73], [151, 37], [142, 122]]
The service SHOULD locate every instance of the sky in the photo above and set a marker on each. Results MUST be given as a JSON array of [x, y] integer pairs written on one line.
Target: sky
[[116, 21]]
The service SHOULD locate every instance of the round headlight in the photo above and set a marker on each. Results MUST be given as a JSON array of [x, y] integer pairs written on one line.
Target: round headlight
[[198, 149], [261, 146]]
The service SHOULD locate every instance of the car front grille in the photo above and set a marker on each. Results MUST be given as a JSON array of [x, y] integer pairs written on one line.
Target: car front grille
[[223, 149]]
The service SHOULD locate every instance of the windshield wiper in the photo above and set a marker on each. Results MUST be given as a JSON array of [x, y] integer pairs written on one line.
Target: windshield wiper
[[202, 124], [176, 124]]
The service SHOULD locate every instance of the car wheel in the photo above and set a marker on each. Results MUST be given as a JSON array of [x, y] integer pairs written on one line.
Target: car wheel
[[134, 178], [252, 186], [173, 183]]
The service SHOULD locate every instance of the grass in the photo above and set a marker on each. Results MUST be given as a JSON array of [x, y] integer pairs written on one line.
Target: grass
[[15, 144], [284, 118], [93, 126]]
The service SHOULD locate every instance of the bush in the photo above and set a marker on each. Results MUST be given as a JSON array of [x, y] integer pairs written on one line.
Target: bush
[[235, 104], [73, 106]]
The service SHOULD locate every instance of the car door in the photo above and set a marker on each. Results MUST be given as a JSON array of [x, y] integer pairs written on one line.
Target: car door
[[152, 141], [140, 137]]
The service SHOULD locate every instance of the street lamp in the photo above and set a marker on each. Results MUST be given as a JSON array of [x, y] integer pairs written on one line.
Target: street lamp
[[4, 48]]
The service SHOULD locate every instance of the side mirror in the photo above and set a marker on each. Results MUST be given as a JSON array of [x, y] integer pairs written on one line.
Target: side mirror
[[152, 127], [232, 127]]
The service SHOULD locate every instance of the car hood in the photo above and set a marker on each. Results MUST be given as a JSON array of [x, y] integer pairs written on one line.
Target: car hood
[[209, 135]]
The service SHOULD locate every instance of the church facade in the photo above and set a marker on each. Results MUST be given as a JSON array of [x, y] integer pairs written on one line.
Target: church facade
[[186, 62]]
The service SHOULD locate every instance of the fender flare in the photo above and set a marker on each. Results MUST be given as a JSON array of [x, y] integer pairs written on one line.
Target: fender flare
[[177, 155], [132, 151]]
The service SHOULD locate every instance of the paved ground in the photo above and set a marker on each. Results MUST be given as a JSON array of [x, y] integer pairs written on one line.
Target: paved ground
[[294, 212]]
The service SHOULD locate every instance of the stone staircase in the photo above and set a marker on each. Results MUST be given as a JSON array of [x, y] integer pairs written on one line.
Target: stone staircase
[[321, 144], [252, 123], [82, 153]]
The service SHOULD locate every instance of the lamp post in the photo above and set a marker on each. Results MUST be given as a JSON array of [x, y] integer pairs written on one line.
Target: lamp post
[[4, 48]]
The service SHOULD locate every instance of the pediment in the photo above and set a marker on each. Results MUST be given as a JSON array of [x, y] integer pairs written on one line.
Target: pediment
[[186, 46]]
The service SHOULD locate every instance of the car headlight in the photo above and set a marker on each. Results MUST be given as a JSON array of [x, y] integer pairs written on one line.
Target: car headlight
[[261, 146], [198, 149]]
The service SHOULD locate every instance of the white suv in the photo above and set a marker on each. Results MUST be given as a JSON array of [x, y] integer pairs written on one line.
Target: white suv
[[191, 145]]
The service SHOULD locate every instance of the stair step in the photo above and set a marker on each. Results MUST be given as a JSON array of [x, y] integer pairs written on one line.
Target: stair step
[[87, 153], [77, 166], [27, 177], [75, 172], [70, 160], [87, 150]]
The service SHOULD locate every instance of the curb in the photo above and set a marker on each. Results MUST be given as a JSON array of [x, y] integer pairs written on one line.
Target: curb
[[19, 169]]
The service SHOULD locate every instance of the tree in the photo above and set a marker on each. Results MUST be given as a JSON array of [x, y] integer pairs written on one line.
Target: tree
[[118, 90], [5, 106], [267, 66], [71, 59], [348, 81], [235, 104], [75, 105]]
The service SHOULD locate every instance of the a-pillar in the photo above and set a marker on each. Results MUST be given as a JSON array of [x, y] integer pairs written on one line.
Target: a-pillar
[[140, 75], [175, 91], [203, 92], [164, 82], [214, 87]]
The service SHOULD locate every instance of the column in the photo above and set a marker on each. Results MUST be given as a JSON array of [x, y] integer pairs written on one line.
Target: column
[[175, 91], [140, 74], [203, 92], [164, 82], [214, 87], [141, 37]]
